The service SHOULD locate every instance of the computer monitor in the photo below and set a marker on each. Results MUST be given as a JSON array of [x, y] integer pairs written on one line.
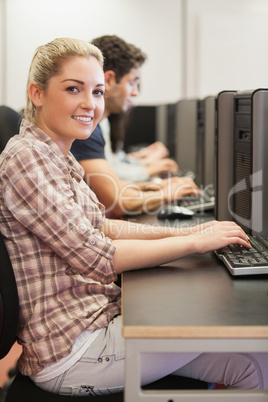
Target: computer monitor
[[145, 125]]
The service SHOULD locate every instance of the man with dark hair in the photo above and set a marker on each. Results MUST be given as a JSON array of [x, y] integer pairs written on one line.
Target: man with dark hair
[[122, 64]]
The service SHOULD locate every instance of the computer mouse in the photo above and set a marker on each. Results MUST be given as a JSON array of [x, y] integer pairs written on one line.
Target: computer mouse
[[175, 212]]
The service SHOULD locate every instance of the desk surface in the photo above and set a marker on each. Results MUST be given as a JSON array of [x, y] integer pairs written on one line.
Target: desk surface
[[194, 297]]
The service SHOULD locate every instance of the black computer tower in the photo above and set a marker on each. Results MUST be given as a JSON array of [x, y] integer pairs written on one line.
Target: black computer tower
[[247, 198], [171, 114], [186, 134], [250, 192], [200, 147], [161, 133], [195, 132], [224, 154], [208, 178]]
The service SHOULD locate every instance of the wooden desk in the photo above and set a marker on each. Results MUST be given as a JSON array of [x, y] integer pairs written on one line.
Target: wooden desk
[[192, 305]]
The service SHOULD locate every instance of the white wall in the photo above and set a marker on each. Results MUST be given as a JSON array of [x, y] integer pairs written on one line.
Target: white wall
[[227, 43], [195, 48], [152, 25]]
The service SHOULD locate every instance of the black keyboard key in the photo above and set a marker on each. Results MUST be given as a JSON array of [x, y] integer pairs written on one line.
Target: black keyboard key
[[239, 263], [259, 262]]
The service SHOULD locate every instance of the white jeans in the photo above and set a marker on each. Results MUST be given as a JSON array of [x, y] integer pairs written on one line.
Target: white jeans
[[101, 368]]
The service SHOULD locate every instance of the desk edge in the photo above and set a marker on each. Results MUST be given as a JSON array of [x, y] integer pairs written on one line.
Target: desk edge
[[198, 332]]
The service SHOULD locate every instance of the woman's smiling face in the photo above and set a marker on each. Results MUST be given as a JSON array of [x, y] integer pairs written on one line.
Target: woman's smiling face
[[73, 102]]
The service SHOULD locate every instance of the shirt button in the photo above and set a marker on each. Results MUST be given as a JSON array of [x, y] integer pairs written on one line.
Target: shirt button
[[107, 359], [82, 228], [100, 359], [92, 242]]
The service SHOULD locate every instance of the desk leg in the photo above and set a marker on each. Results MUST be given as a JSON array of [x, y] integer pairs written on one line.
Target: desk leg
[[134, 393]]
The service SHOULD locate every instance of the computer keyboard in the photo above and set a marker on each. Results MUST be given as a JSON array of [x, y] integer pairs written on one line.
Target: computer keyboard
[[199, 203], [243, 261]]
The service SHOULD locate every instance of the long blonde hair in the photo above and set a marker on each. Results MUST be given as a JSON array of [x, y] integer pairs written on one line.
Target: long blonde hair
[[47, 62]]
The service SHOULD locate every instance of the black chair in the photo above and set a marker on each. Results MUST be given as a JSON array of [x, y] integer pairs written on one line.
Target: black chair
[[21, 388], [9, 124]]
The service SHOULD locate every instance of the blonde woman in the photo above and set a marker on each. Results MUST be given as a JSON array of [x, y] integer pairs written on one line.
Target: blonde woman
[[66, 255]]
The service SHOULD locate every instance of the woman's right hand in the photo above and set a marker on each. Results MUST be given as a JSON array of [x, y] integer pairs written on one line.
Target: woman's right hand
[[218, 234]]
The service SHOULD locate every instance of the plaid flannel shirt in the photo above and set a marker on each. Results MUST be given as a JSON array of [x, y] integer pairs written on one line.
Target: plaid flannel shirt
[[62, 261]]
